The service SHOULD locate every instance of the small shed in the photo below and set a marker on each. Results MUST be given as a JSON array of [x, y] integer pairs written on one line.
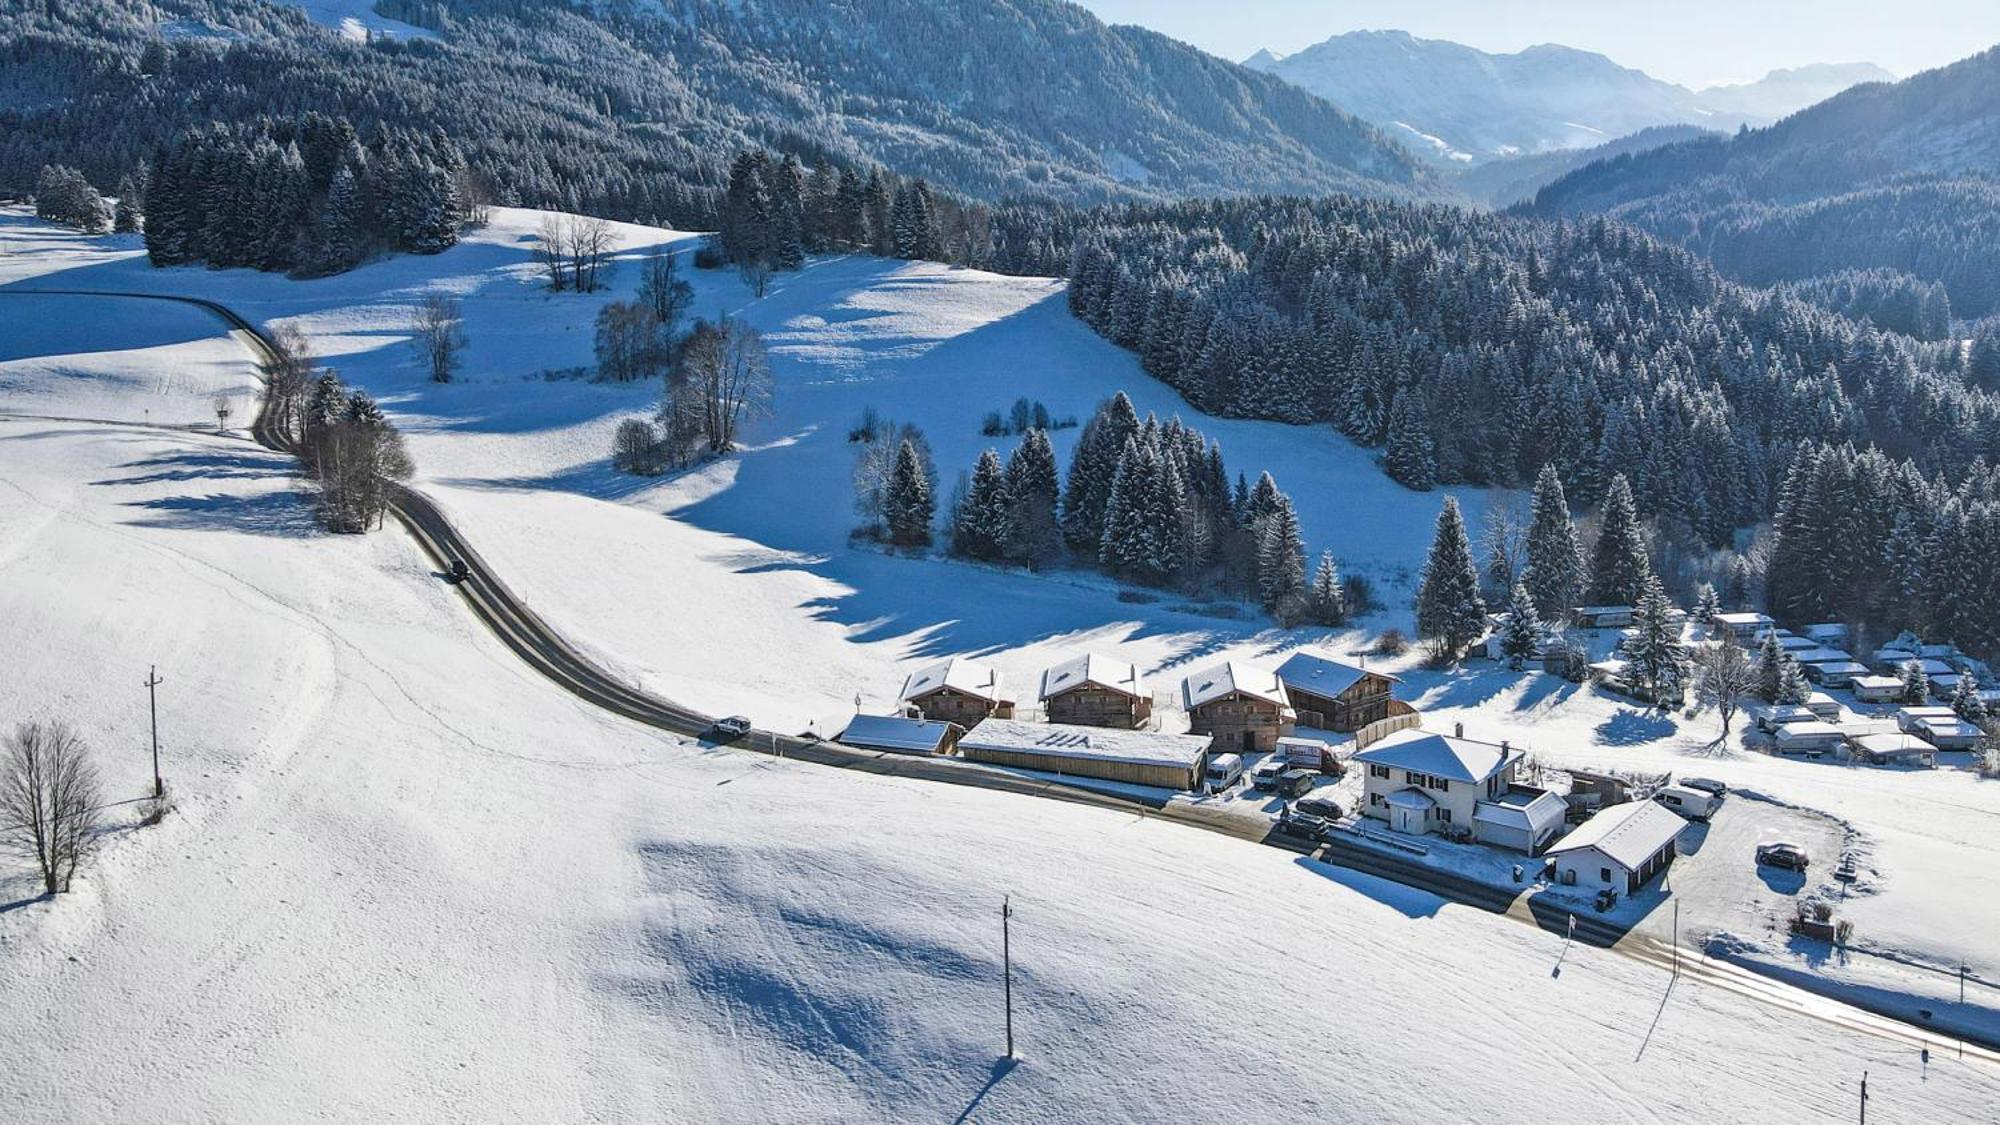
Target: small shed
[[1602, 616], [1096, 691], [900, 735], [1892, 750], [1877, 689], [1332, 694], [1740, 627], [1166, 761], [1811, 739], [1241, 707], [1622, 847], [958, 691]]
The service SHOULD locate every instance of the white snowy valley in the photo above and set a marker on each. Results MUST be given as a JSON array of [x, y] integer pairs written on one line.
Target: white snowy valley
[[405, 877]]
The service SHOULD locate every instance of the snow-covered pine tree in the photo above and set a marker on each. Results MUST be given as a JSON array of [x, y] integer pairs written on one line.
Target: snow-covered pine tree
[[125, 217], [1450, 612], [1770, 666], [976, 525], [1411, 459], [1555, 574], [1965, 702], [1916, 685], [1654, 651], [1281, 564], [1521, 632], [1328, 601], [1792, 686], [1707, 603], [1031, 535], [1121, 546], [1091, 469], [1619, 564], [1736, 595], [907, 501]]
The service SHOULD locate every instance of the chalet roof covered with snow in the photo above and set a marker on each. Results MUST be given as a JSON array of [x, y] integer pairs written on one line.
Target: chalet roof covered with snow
[[1108, 744], [1458, 759], [893, 732], [959, 674], [1743, 620], [1628, 834], [1888, 744], [1233, 678], [1322, 675], [1094, 670], [1534, 811]]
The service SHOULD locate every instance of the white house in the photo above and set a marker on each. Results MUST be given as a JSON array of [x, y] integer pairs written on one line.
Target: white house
[[1892, 750], [1812, 738], [1621, 847], [1740, 627], [1420, 781], [1939, 726], [1877, 689], [1833, 673], [1602, 616]]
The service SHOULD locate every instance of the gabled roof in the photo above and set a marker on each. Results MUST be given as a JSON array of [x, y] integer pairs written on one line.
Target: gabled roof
[[1107, 744], [1536, 813], [1629, 833], [1233, 677], [1094, 670], [958, 674], [893, 732], [1457, 759], [1313, 671]]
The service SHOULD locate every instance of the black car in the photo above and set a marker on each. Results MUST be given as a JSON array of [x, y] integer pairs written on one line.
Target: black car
[[1320, 806], [1305, 826], [457, 572], [1782, 854], [1292, 783]]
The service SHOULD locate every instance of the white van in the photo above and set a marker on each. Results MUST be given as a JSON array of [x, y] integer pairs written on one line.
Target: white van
[[1224, 770], [1690, 803]]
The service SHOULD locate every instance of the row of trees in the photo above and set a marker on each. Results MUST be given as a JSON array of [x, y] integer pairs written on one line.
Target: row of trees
[[775, 211], [347, 444], [63, 195], [714, 379], [305, 195]]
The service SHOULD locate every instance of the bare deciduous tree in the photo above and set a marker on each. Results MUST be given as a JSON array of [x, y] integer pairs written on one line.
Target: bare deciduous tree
[[288, 377], [439, 331], [1723, 675], [49, 796], [725, 367], [224, 406], [661, 288], [1503, 543], [574, 250], [630, 342]]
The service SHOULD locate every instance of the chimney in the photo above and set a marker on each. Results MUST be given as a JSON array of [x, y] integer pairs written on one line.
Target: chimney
[[1503, 746], [1458, 730]]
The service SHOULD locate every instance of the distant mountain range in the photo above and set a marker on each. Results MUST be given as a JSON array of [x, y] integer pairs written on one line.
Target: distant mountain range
[[1456, 106], [1515, 179]]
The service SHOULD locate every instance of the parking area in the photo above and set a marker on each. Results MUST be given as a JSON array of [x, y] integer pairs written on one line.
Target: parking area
[[1720, 884]]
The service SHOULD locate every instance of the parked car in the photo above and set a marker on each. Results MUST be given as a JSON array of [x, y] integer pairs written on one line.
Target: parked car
[[735, 726], [1318, 804], [1224, 770], [1780, 853], [1305, 826], [1707, 785], [1292, 783], [1265, 776]]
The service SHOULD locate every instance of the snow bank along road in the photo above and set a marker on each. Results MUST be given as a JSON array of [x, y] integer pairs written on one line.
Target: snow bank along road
[[544, 649]]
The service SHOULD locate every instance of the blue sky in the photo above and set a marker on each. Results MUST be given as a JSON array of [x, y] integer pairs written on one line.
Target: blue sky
[[1693, 42]]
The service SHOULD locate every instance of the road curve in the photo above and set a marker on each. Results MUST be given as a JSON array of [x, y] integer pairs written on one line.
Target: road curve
[[545, 650]]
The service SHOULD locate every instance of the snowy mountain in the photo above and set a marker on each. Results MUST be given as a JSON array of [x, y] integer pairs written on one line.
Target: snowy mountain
[[634, 107], [1457, 105], [1516, 179]]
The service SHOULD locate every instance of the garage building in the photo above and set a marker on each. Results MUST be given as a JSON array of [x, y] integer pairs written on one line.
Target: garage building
[[1621, 847], [1167, 761]]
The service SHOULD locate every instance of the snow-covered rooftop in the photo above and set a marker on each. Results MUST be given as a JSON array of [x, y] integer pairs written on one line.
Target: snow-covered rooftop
[[958, 674], [1743, 620], [893, 732], [1096, 670], [1628, 834], [1885, 744], [1458, 759], [1233, 677], [1058, 740], [1320, 674], [1521, 808]]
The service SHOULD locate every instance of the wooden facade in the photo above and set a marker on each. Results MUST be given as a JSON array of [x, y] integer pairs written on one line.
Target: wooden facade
[[1088, 705], [950, 705], [1365, 701], [1239, 723]]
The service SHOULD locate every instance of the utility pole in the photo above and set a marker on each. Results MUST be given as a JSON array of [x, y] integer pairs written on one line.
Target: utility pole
[[1864, 1098], [153, 681], [1007, 969]]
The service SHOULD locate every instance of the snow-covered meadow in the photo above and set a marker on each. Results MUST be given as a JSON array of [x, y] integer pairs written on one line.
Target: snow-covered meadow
[[728, 899]]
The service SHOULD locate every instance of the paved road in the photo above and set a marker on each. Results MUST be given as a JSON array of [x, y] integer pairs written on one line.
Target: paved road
[[544, 649]]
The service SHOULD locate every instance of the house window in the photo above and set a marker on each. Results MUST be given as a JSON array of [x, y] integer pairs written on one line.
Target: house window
[[1412, 777], [1604, 874], [1437, 783], [1444, 815], [1378, 771], [1374, 798]]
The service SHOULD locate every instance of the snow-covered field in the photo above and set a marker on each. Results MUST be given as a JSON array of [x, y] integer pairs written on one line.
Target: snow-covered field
[[408, 880], [472, 809]]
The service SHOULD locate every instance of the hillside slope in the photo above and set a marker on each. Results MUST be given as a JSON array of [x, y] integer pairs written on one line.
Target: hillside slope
[[634, 110]]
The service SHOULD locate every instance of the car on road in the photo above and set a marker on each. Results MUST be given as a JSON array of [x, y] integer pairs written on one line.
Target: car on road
[[1707, 785], [1782, 853], [457, 572], [1266, 775], [1318, 804], [1304, 825], [735, 726], [1295, 782]]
